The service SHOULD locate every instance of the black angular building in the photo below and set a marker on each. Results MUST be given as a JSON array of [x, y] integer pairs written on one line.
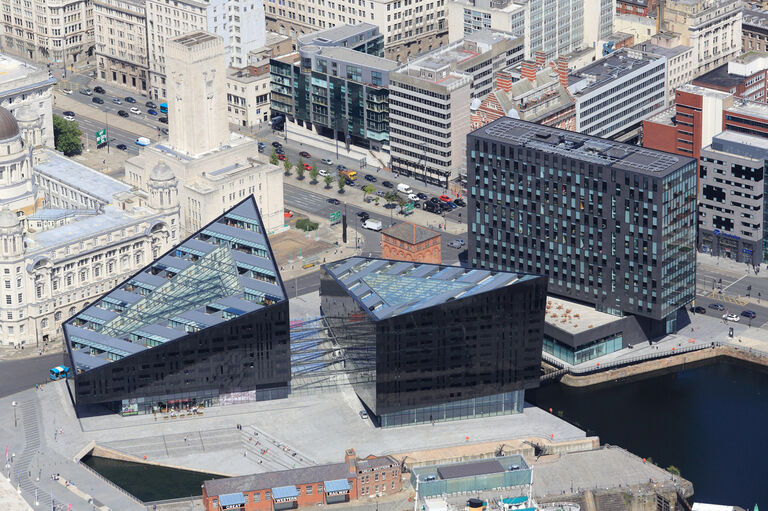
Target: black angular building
[[425, 342], [611, 225], [207, 323]]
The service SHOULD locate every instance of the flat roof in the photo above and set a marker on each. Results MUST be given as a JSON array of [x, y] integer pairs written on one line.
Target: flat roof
[[356, 57], [751, 108], [338, 33], [410, 233], [223, 271], [755, 17], [719, 77], [386, 288], [611, 67], [470, 469], [195, 38], [85, 179], [87, 225], [661, 50], [587, 148], [573, 317], [16, 70], [666, 116]]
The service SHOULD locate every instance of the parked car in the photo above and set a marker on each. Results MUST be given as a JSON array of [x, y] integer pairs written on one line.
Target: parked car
[[370, 178], [164, 131], [460, 202], [335, 202], [66, 91], [457, 243], [307, 167], [164, 120], [363, 215], [152, 112], [97, 100], [135, 110], [117, 101], [281, 157], [143, 141], [122, 147], [435, 201], [99, 89], [731, 317], [413, 196], [68, 115], [445, 198], [387, 184], [363, 414], [149, 104], [276, 144], [422, 196], [322, 172], [717, 306], [749, 314], [305, 154], [129, 99], [698, 310], [122, 113], [327, 161], [340, 167], [349, 182], [86, 91]]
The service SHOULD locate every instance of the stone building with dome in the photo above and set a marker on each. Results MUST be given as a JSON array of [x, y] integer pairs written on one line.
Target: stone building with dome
[[69, 233]]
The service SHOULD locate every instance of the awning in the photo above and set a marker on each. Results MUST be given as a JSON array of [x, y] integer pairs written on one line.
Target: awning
[[285, 493], [336, 486], [231, 499]]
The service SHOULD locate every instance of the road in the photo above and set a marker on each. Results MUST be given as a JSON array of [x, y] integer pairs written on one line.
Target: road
[[18, 374], [116, 135]]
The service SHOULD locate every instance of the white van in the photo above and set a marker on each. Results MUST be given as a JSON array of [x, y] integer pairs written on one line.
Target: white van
[[374, 225], [143, 141], [402, 187]]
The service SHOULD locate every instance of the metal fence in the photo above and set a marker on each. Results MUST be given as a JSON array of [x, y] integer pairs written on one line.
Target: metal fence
[[113, 485]]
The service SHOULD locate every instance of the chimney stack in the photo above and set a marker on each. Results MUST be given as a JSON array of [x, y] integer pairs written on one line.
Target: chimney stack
[[528, 70], [562, 70], [541, 59], [504, 81]]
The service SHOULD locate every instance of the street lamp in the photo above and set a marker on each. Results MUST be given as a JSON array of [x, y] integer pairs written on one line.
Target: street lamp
[[15, 422]]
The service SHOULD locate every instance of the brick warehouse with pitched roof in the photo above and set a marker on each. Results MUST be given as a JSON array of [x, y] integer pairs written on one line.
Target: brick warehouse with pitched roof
[[410, 242]]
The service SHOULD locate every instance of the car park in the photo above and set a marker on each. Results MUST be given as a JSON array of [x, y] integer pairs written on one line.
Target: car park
[[717, 306], [97, 100], [122, 113], [117, 101], [122, 147], [152, 112], [99, 89], [129, 99], [135, 110], [305, 154], [69, 116], [460, 202], [422, 196], [370, 178], [149, 104], [698, 310], [327, 161], [387, 184], [164, 120], [731, 317], [749, 314], [335, 202]]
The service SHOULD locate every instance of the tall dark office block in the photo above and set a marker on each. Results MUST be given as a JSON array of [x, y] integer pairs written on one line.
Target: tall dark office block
[[207, 323], [610, 224], [425, 342]]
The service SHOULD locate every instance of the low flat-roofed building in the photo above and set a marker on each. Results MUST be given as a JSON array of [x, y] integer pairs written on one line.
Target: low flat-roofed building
[[428, 342], [471, 476], [744, 77], [410, 242], [747, 117]]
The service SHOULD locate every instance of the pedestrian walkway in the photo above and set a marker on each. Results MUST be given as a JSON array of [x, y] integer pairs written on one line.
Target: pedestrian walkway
[[722, 263]]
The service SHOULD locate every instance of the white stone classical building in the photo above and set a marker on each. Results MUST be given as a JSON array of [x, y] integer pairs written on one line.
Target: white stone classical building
[[57, 33], [121, 43], [711, 27], [24, 85], [67, 232], [215, 169], [240, 23]]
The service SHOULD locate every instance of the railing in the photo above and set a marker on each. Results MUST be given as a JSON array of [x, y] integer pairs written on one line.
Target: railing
[[113, 485]]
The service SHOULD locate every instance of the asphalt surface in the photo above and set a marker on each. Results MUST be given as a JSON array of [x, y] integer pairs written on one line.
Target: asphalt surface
[[89, 127], [22, 373]]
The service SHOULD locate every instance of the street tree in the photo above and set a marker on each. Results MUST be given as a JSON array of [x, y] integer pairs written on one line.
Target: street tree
[[66, 136], [341, 181], [273, 158], [300, 170], [368, 190], [313, 174], [328, 180], [287, 166]]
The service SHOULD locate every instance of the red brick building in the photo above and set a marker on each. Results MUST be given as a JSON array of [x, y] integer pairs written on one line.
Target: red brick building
[[291, 489], [747, 117], [636, 7], [744, 77], [410, 242]]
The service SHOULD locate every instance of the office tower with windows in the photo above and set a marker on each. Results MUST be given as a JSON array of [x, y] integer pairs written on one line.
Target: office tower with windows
[[612, 225]]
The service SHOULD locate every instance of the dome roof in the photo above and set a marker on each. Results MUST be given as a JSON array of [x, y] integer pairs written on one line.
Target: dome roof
[[161, 172], [26, 114], [9, 128], [8, 218]]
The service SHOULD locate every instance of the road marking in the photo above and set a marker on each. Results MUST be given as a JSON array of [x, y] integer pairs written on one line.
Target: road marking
[[732, 283]]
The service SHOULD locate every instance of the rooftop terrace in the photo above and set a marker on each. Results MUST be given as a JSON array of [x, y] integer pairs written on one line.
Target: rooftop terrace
[[568, 144], [389, 288], [221, 272]]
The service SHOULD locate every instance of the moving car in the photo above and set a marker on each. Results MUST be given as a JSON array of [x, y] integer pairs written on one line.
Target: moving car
[[402, 187], [149, 104], [327, 161], [143, 141], [152, 112], [117, 101], [97, 100], [164, 131], [387, 184], [457, 243], [129, 99], [122, 113], [698, 310], [99, 89], [731, 317], [413, 196], [66, 91], [305, 154], [164, 120], [69, 116], [86, 91], [749, 314], [135, 110], [717, 306], [335, 202], [363, 414], [276, 144], [370, 178], [122, 147], [363, 216]]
